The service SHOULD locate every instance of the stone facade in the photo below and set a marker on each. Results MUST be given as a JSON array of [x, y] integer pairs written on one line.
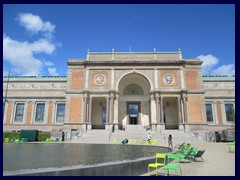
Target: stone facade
[[155, 90]]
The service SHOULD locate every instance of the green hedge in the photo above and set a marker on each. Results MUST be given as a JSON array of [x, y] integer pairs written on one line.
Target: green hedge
[[11, 135], [42, 136]]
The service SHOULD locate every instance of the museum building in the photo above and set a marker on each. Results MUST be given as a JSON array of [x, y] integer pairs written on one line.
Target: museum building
[[157, 90]]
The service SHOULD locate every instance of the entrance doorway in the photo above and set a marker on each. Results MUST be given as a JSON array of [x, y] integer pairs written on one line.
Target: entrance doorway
[[133, 109]]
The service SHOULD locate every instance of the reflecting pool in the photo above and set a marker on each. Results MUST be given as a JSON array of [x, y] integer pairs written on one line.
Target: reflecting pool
[[19, 156]]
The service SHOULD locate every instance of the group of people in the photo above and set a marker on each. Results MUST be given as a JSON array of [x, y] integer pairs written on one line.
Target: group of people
[[149, 137]]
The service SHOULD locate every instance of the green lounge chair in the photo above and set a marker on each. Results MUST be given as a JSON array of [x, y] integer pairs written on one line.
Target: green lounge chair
[[186, 156], [199, 154]]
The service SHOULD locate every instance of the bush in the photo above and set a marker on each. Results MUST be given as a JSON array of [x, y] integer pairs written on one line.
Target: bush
[[11, 135], [42, 136]]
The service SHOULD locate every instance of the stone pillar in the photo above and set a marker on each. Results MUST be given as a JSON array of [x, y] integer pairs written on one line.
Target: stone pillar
[[90, 111], [5, 111], [179, 110], [215, 115], [161, 111], [54, 112], [153, 120], [111, 113], [157, 110], [161, 125], [85, 98], [185, 110], [180, 122], [116, 111], [107, 110], [89, 122], [186, 125]]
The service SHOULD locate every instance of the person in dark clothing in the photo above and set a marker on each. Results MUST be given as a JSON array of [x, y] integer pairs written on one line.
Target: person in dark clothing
[[63, 135], [113, 128], [170, 141]]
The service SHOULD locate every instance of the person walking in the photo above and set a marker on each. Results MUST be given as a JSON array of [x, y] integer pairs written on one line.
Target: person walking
[[170, 144]]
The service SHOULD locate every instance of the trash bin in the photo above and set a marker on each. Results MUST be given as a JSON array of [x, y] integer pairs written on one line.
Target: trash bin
[[217, 137]]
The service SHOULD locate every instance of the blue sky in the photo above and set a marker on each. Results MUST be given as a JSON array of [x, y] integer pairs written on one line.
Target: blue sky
[[39, 39]]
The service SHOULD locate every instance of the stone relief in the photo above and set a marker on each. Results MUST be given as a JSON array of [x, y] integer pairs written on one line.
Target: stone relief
[[35, 86], [218, 85]]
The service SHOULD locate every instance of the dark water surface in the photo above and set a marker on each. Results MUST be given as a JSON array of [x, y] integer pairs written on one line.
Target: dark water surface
[[19, 156]]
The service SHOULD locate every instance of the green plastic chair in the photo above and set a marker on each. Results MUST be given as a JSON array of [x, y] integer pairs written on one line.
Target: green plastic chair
[[114, 141], [231, 146], [16, 140], [157, 163], [173, 166]]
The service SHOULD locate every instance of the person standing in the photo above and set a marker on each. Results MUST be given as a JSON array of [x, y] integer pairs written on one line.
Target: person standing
[[170, 144], [63, 135], [149, 137]]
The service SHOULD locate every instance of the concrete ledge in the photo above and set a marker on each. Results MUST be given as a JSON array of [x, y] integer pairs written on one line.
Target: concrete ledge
[[120, 168]]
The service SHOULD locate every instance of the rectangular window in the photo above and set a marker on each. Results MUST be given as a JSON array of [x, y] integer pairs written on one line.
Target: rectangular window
[[19, 112], [209, 112], [229, 112], [40, 112], [60, 112]]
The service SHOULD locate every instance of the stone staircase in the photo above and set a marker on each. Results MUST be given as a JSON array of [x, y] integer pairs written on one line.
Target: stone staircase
[[136, 133]]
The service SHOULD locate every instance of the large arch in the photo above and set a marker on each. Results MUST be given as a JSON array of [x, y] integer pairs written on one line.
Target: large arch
[[134, 100]]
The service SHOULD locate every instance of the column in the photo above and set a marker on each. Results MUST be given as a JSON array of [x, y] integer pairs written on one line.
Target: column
[[157, 109], [185, 110], [153, 110], [179, 111], [54, 112], [90, 111], [116, 110], [107, 110], [215, 115], [5, 111], [161, 110], [85, 109], [111, 109]]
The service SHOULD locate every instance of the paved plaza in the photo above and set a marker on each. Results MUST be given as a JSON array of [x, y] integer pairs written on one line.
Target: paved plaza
[[217, 161]]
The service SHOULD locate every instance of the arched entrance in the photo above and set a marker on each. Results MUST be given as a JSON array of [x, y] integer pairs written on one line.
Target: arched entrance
[[134, 100]]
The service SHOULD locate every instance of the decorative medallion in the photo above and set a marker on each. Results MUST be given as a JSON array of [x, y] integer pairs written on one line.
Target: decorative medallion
[[99, 79], [168, 79]]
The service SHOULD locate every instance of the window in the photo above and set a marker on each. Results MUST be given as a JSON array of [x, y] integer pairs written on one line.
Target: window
[[229, 112], [60, 112], [40, 112], [209, 112], [19, 112]]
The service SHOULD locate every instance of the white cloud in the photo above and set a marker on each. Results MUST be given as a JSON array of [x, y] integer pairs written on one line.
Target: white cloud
[[208, 62], [35, 24], [227, 70], [21, 55], [48, 63], [53, 71]]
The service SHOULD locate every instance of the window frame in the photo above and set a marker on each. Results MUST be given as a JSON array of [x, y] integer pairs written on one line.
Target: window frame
[[56, 112], [35, 113], [212, 110], [233, 105], [23, 114]]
